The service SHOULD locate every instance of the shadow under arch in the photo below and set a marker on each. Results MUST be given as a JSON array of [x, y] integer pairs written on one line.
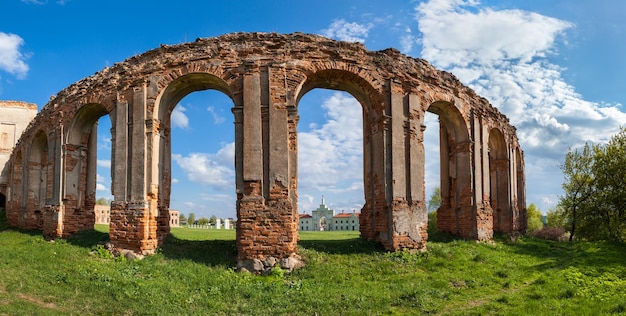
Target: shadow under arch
[[79, 191], [161, 164], [372, 105], [3, 200], [499, 197], [456, 210]]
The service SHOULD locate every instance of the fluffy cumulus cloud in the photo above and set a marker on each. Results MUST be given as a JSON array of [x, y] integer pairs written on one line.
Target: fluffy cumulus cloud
[[347, 31], [12, 60], [214, 170], [503, 56], [330, 156], [179, 118]]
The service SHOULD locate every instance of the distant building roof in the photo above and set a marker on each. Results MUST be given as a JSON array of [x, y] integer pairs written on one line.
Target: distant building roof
[[305, 216], [343, 215]]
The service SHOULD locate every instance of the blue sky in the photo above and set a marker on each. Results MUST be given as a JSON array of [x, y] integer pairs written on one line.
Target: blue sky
[[555, 68]]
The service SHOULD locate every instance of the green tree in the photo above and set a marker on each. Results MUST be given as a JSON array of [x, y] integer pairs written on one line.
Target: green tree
[[556, 217], [182, 219], [534, 217], [203, 221], [435, 200], [191, 218], [103, 201], [595, 200], [579, 184], [607, 218], [213, 220]]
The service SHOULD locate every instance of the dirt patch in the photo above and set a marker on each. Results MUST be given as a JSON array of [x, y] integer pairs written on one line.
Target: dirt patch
[[37, 301]]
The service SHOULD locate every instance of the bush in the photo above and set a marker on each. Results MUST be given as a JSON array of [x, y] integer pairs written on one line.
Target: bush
[[550, 233]]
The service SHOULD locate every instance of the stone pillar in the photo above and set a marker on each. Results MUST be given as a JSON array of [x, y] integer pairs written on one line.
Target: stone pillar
[[267, 226], [409, 218], [52, 222], [284, 210], [133, 223], [484, 216], [251, 203]]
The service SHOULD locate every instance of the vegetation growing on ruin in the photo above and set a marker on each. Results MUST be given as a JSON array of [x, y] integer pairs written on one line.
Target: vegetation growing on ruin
[[193, 274]]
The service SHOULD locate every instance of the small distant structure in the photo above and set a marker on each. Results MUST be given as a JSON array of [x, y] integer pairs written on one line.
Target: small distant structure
[[103, 215], [174, 218], [324, 219]]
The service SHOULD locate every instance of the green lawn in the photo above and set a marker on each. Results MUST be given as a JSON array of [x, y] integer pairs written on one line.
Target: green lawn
[[193, 274]]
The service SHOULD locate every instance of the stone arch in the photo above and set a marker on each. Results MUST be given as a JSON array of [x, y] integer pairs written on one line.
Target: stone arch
[[37, 180], [160, 139], [370, 99], [455, 215], [499, 182], [79, 191], [265, 74]]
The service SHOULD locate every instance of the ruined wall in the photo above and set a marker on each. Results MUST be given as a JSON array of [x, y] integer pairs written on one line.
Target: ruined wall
[[265, 75], [14, 118]]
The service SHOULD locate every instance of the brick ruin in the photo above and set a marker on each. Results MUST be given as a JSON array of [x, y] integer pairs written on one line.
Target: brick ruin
[[52, 170]]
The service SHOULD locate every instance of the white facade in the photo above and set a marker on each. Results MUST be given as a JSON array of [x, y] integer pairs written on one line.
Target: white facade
[[14, 118], [324, 219]]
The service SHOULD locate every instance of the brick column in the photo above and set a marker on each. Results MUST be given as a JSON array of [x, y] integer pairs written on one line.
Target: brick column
[[409, 218], [133, 222]]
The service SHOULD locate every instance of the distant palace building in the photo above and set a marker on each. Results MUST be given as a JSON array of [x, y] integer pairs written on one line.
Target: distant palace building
[[324, 219], [103, 215]]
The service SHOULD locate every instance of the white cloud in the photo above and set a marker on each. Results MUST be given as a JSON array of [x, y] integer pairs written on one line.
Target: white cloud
[[104, 163], [214, 170], [347, 31], [11, 59], [503, 56], [174, 180], [40, 2], [217, 119], [100, 183], [330, 156], [104, 142], [179, 118]]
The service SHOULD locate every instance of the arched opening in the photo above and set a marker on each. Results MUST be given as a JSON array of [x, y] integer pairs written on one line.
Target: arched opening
[[499, 182], [455, 212], [83, 178], [196, 133], [432, 162], [330, 161], [335, 156], [37, 179]]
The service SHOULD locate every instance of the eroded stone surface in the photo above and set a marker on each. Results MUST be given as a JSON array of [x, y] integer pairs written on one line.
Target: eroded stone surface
[[265, 75]]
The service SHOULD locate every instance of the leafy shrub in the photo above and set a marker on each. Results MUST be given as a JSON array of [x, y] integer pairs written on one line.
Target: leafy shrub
[[550, 233]]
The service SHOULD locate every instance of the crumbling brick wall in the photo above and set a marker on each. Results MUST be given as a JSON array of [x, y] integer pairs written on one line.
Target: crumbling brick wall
[[265, 75]]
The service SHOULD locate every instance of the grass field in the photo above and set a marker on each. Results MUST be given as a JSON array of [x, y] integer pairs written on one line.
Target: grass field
[[193, 274]]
